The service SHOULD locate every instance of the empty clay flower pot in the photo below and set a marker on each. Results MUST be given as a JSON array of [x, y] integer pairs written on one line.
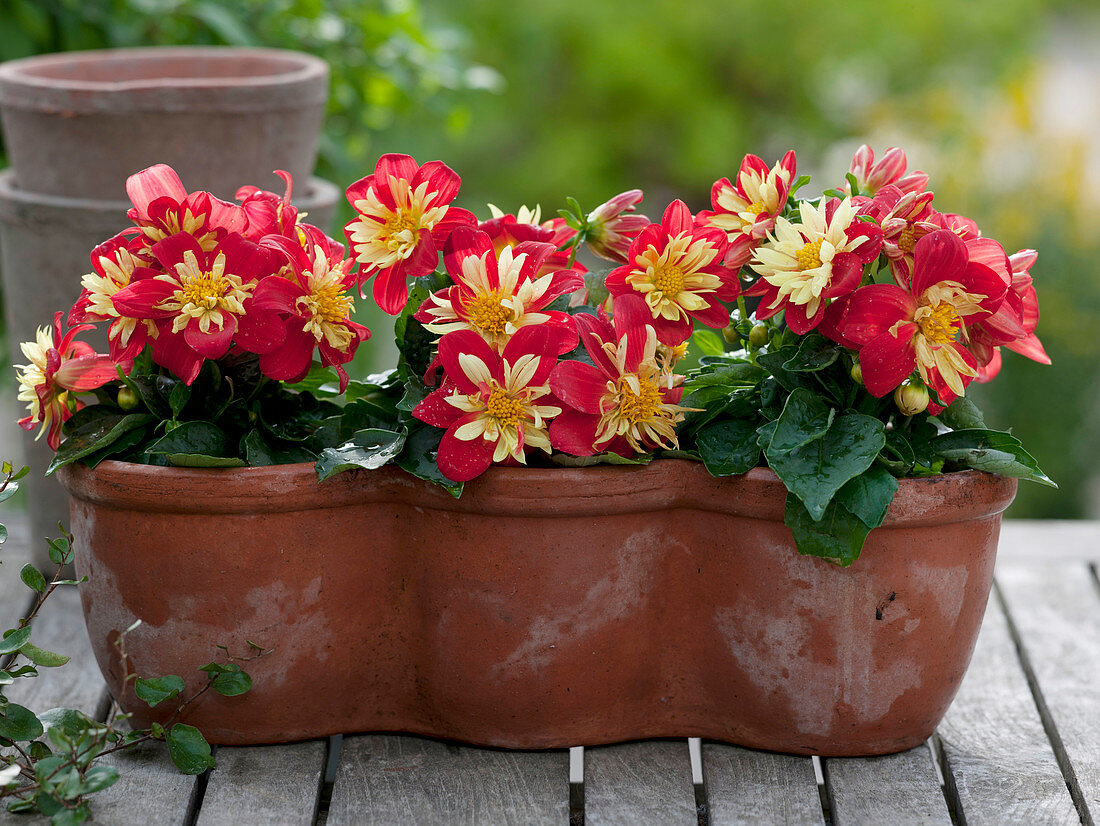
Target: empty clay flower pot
[[44, 245], [545, 608], [77, 124]]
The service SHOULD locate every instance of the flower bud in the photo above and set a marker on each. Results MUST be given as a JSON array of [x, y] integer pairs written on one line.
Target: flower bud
[[127, 398], [856, 373], [758, 335], [911, 398], [730, 334]]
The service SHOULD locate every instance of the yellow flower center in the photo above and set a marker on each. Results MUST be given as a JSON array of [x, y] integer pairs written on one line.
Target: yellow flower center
[[809, 257], [401, 221], [503, 409], [205, 291], [938, 324], [488, 313], [907, 240], [669, 279], [756, 207], [328, 303], [642, 406]]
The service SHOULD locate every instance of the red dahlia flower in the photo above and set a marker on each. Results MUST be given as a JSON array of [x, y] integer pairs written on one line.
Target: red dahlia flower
[[162, 207], [805, 265], [611, 231], [1013, 325], [115, 266], [890, 170], [268, 213], [494, 406], [494, 297], [619, 403], [404, 217], [313, 304], [677, 268], [746, 212], [199, 300], [59, 365], [899, 331], [905, 218], [508, 230]]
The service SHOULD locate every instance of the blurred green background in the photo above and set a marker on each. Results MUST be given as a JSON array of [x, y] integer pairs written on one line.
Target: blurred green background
[[998, 100]]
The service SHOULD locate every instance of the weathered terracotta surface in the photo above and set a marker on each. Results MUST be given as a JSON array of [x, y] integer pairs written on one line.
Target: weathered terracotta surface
[[77, 124], [45, 241], [545, 608]]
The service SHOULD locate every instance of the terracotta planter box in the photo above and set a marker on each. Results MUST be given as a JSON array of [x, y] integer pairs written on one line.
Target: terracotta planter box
[[545, 608], [77, 124]]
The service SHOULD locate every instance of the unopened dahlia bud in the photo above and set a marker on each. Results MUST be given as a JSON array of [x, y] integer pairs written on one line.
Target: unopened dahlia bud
[[730, 334], [856, 373], [127, 398], [610, 231], [758, 336], [911, 398]]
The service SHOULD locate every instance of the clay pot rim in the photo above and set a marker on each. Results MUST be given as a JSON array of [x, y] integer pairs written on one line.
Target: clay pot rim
[[506, 491], [316, 192], [24, 86]]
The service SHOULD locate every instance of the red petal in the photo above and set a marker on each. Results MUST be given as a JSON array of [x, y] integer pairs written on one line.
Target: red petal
[[442, 180], [460, 460], [467, 342], [140, 299], [938, 256], [291, 360], [155, 182], [887, 361], [391, 291], [463, 243], [212, 344], [677, 219], [263, 331], [874, 309], [171, 351], [574, 432], [579, 385], [435, 410]]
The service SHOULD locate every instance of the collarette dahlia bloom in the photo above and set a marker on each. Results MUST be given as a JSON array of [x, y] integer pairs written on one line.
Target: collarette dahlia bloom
[[59, 365], [899, 331], [497, 296], [676, 267], [493, 406], [746, 211], [889, 170], [905, 218], [805, 265], [621, 403], [267, 212], [313, 302], [162, 207], [198, 301], [115, 266], [611, 230], [508, 230], [404, 218]]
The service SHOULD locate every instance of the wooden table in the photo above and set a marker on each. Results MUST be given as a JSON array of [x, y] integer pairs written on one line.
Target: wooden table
[[1020, 744]]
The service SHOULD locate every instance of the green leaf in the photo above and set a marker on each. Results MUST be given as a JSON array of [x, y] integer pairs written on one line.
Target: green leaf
[[157, 690], [565, 460], [33, 578], [418, 458], [123, 443], [178, 397], [805, 417], [14, 639], [202, 460], [192, 438], [96, 435], [20, 724], [230, 680], [9, 490], [990, 450], [838, 536], [98, 778], [815, 471], [61, 552], [708, 342], [368, 449], [259, 452], [70, 721], [729, 447], [962, 414], [868, 496], [189, 749], [815, 352], [75, 816], [39, 656], [3, 534]]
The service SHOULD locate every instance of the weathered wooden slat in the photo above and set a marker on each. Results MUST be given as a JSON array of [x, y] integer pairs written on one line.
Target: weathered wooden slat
[[645, 782], [758, 787], [997, 760], [150, 789], [894, 788], [277, 785], [1056, 612], [1042, 541], [387, 779]]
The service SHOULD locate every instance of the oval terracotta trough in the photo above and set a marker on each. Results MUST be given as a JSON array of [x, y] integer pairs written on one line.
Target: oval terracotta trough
[[545, 608]]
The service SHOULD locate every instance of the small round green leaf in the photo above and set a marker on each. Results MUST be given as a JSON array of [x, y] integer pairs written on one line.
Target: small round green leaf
[[189, 749]]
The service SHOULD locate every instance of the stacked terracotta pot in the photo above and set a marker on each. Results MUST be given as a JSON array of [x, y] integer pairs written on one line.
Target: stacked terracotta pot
[[76, 125]]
